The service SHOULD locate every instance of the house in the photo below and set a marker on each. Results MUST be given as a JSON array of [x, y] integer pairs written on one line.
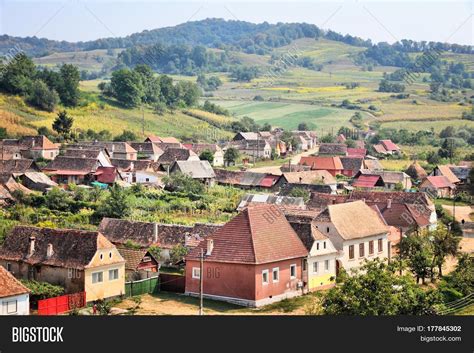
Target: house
[[416, 171], [356, 152], [147, 150], [116, 150], [356, 230], [139, 264], [18, 167], [368, 181], [76, 260], [391, 180], [14, 296], [98, 152], [248, 180], [246, 262], [145, 234], [438, 186], [37, 181], [164, 142], [332, 149], [217, 152], [462, 173], [28, 147], [445, 170], [253, 148], [246, 136], [8, 189], [386, 147], [405, 210], [351, 165], [269, 199], [322, 255], [139, 171], [73, 170], [372, 164], [309, 178], [172, 155], [199, 170], [332, 164], [308, 139]]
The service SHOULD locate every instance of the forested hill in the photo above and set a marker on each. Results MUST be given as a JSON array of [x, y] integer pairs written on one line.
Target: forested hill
[[215, 33]]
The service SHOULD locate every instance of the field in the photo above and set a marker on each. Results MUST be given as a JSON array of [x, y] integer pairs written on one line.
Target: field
[[289, 115], [93, 60]]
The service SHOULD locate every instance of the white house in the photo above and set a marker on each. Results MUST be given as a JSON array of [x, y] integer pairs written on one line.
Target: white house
[[357, 231], [14, 296]]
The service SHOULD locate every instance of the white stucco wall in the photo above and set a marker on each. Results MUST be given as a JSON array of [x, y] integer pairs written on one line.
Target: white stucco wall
[[21, 302]]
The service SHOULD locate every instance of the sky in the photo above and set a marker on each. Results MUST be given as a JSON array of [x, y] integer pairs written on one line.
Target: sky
[[379, 20]]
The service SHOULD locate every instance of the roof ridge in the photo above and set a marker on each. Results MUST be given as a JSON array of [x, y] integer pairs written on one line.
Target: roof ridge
[[247, 211]]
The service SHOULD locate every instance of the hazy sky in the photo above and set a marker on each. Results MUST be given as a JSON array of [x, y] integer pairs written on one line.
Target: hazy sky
[[379, 20]]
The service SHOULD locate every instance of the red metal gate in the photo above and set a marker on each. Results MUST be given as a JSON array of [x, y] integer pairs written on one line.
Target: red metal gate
[[58, 305]]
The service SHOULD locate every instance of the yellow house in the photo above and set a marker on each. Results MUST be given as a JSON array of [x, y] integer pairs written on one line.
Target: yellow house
[[76, 260]]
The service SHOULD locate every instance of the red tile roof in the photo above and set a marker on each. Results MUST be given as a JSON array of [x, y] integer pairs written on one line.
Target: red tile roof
[[366, 181], [9, 285], [356, 152], [438, 182], [106, 175], [322, 163], [251, 238], [389, 145], [269, 180]]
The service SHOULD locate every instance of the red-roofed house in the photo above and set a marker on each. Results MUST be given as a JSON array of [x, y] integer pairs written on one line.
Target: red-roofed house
[[386, 147], [439, 186], [368, 181], [356, 152], [332, 164], [247, 262]]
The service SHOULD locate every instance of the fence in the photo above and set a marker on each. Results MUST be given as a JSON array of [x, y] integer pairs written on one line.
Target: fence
[[58, 305], [457, 305], [143, 286], [172, 282]]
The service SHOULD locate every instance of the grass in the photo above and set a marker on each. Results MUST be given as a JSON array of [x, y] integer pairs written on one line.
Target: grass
[[395, 164], [467, 311]]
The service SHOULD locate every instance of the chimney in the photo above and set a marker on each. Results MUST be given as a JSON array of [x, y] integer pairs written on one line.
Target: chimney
[[210, 247], [155, 233], [31, 249], [49, 251], [389, 203]]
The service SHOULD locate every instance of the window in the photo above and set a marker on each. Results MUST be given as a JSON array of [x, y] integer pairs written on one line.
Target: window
[[113, 274], [97, 277], [265, 277], [196, 272], [305, 263], [361, 250], [326, 265], [324, 244], [9, 267], [317, 246], [380, 245], [315, 267], [110, 255], [327, 230], [10, 307], [276, 274], [101, 256], [292, 271], [351, 251], [371, 247]]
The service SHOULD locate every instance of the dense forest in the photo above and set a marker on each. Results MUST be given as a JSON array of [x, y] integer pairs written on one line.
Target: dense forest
[[218, 33]]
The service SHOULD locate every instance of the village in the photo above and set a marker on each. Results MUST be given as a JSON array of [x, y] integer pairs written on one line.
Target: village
[[324, 214]]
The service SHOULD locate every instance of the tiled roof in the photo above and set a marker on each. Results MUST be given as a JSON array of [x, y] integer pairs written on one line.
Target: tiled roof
[[446, 171], [195, 169], [63, 163], [242, 178], [310, 177], [281, 201], [38, 142], [9, 285], [129, 165], [380, 149], [372, 164], [250, 238], [175, 154], [322, 163], [416, 171], [118, 231], [461, 172], [18, 166], [389, 145], [198, 148], [390, 177], [146, 147], [354, 220], [368, 181], [82, 153], [437, 181], [71, 248], [106, 175], [333, 149], [356, 152], [353, 164]]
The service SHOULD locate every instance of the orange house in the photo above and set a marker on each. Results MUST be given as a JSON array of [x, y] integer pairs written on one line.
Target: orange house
[[332, 164]]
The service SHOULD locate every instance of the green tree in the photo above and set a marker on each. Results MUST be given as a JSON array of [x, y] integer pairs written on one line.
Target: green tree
[[116, 204], [58, 199], [128, 87], [155, 251], [183, 183], [207, 155], [18, 75], [303, 127], [178, 253], [445, 244], [300, 192], [418, 249], [231, 155], [378, 290], [125, 136], [462, 278], [69, 89], [42, 97], [63, 124]]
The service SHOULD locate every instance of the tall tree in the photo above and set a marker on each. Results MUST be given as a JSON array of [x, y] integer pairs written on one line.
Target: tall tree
[[127, 87], [69, 90], [63, 124], [18, 75]]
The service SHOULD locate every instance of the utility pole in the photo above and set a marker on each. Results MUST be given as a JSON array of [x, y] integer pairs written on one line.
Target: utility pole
[[143, 120], [201, 283]]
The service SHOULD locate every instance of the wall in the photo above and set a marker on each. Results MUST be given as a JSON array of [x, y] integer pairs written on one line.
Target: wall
[[322, 278], [22, 304], [358, 261]]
